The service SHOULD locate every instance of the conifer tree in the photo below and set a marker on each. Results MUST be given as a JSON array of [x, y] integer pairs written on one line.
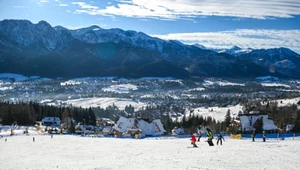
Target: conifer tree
[[227, 119]]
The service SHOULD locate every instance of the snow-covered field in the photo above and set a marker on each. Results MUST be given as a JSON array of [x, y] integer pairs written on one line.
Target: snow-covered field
[[120, 88], [105, 102], [286, 102], [74, 152], [217, 113]]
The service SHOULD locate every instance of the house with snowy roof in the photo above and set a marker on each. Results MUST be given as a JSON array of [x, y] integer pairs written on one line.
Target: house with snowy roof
[[132, 126], [87, 129], [101, 121], [249, 121], [51, 121]]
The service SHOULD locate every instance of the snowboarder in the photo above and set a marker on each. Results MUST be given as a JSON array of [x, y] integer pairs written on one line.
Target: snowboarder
[[200, 135], [264, 136], [193, 140], [210, 136], [5, 140], [219, 138]]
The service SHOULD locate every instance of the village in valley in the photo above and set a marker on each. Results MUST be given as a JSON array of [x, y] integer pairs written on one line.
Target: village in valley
[[147, 107]]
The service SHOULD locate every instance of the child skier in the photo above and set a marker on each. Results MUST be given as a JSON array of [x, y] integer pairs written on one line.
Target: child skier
[[193, 140], [219, 138], [200, 135]]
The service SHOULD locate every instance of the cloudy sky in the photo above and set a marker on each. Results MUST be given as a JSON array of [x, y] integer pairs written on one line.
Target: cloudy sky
[[212, 23]]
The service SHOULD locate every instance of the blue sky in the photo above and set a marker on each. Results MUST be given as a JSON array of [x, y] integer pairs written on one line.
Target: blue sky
[[212, 23]]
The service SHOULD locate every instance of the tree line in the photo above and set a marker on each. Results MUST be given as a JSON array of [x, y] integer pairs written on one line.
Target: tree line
[[29, 113]]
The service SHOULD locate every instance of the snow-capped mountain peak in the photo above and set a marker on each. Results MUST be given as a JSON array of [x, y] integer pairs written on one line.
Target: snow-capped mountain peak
[[60, 28], [82, 31], [235, 50], [199, 46]]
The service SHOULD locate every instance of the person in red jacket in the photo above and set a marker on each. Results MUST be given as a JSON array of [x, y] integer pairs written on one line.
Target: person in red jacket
[[193, 140]]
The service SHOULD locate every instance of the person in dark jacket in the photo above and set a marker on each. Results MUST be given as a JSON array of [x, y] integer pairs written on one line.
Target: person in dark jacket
[[219, 139], [193, 140], [264, 136], [253, 135]]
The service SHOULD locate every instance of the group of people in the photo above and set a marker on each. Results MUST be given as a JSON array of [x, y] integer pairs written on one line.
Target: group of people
[[209, 137], [219, 139]]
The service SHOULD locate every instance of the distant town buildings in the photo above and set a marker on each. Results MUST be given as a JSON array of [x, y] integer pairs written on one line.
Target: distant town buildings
[[133, 126], [51, 121]]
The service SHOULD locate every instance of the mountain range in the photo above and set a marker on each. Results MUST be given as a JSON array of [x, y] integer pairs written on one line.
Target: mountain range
[[42, 50]]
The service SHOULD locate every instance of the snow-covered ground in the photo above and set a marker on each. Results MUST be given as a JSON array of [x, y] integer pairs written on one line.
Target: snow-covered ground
[[217, 113], [286, 102], [70, 82], [74, 152], [275, 85], [120, 88], [208, 83], [105, 102]]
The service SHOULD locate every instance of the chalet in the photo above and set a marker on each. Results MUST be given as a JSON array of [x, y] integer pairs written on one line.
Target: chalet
[[249, 121], [133, 126], [126, 126], [79, 128], [51, 121], [108, 130], [177, 131], [86, 129], [101, 121]]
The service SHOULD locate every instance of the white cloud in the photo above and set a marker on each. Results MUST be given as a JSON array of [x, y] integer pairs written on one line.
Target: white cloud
[[170, 9], [84, 5], [246, 38], [63, 5], [44, 1]]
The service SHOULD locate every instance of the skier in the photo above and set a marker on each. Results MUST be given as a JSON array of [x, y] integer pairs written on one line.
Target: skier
[[200, 134], [253, 135], [219, 138], [193, 140], [33, 139], [264, 136], [210, 136]]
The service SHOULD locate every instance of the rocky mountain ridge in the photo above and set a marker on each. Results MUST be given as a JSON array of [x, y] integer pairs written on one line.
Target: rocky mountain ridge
[[43, 50]]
